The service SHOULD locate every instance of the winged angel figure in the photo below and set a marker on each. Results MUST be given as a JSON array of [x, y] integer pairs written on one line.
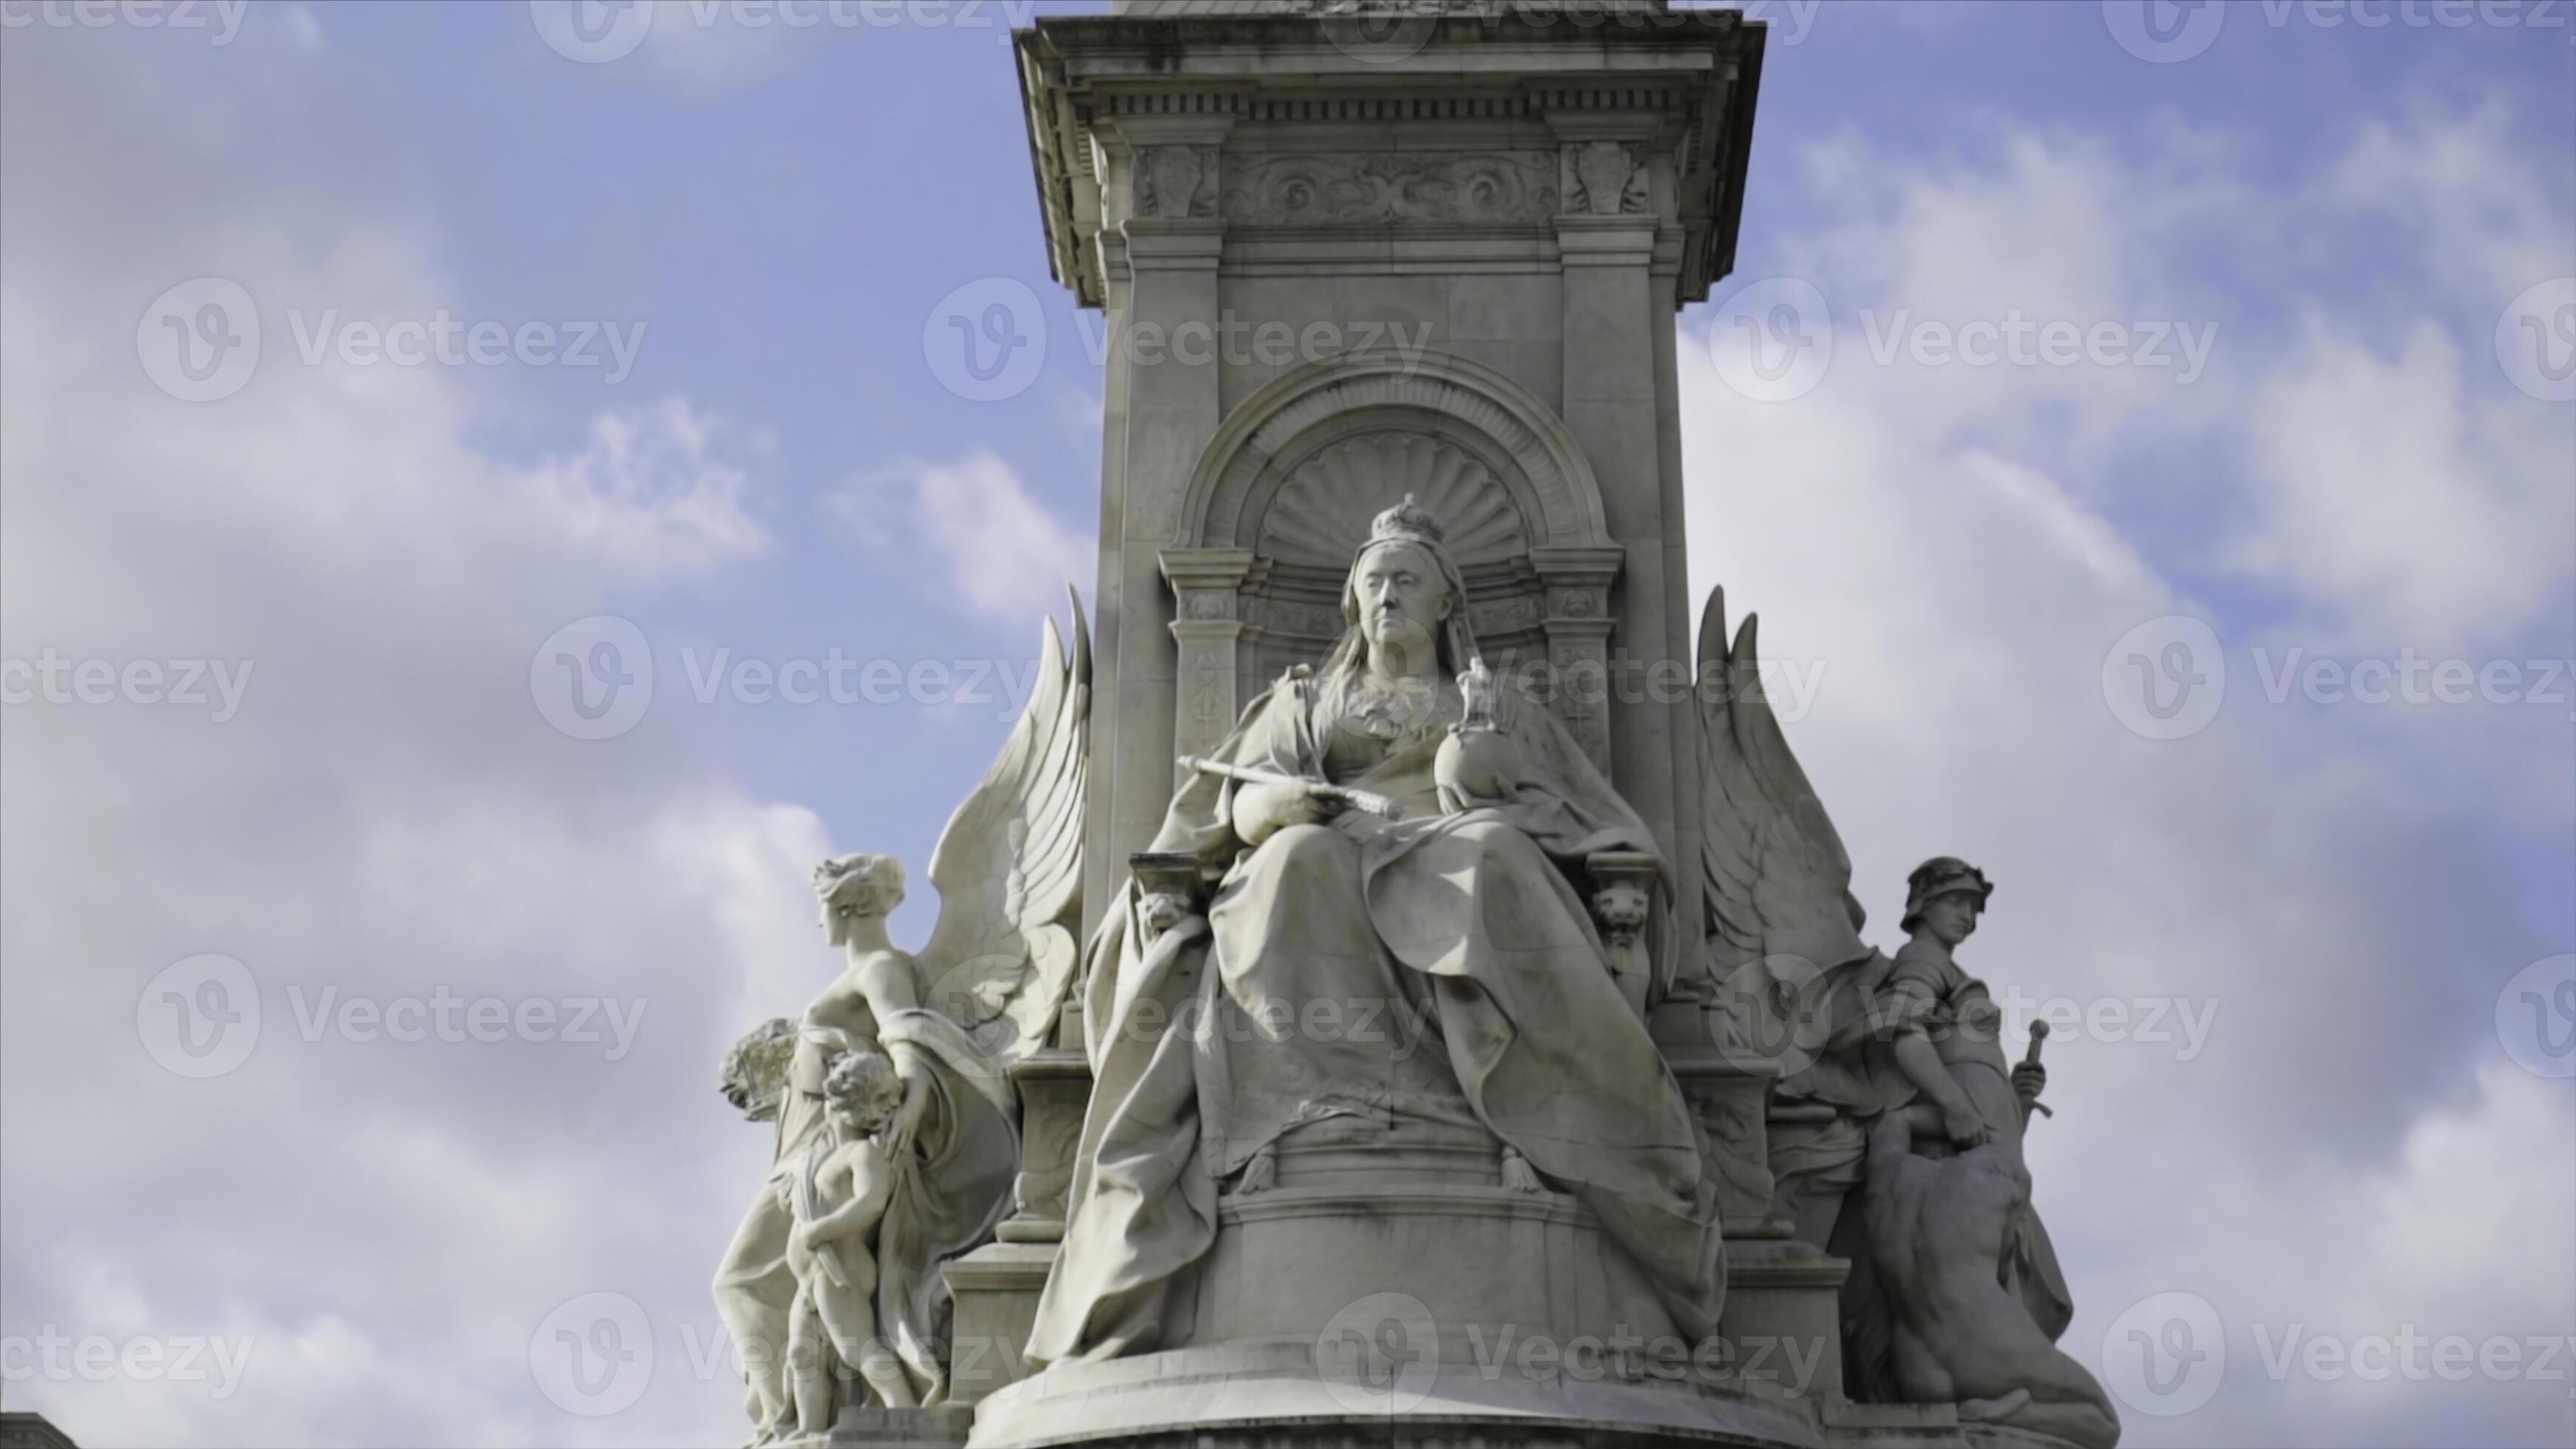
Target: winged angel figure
[[1896, 1129], [982, 995]]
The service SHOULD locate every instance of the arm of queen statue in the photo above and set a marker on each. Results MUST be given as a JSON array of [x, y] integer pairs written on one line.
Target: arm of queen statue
[[1460, 915]]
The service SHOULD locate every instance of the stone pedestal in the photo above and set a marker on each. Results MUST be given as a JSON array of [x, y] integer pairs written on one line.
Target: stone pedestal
[[940, 1428], [995, 1288]]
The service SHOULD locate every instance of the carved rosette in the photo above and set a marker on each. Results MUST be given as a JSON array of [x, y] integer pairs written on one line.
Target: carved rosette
[[1426, 188]]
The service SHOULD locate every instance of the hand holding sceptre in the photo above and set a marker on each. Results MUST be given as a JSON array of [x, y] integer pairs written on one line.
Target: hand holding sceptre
[[2030, 1077]]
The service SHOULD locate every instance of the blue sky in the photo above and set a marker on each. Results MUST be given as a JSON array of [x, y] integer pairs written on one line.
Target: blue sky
[[2354, 473]]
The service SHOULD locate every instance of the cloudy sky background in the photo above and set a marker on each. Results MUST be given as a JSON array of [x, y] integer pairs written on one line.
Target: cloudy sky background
[[2357, 1143]]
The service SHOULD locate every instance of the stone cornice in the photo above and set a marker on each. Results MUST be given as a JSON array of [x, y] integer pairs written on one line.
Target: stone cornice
[[1683, 83]]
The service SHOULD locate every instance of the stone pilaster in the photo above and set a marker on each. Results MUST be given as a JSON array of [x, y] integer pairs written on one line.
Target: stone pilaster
[[1159, 246], [1612, 202], [1209, 630]]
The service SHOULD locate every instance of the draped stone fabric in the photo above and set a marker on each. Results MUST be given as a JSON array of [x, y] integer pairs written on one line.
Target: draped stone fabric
[[949, 1192], [1464, 940]]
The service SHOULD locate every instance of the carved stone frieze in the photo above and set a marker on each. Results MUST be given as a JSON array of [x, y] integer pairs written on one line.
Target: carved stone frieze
[[1424, 187]]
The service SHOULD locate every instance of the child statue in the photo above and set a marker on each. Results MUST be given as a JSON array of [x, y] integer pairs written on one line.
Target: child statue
[[837, 1195]]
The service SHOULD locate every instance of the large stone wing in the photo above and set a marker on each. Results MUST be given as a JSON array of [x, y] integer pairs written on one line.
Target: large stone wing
[[1777, 880], [1009, 867]]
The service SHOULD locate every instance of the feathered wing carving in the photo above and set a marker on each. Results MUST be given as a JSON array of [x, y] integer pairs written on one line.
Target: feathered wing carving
[[1009, 867], [1778, 882]]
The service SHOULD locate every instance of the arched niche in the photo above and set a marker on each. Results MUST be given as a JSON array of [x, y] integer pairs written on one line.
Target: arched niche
[[1284, 495]]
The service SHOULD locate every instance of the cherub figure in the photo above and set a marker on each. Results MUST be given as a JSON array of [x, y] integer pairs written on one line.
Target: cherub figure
[[838, 1195]]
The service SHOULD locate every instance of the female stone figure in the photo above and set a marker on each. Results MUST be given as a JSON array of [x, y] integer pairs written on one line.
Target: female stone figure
[[951, 1140], [1435, 969], [984, 993]]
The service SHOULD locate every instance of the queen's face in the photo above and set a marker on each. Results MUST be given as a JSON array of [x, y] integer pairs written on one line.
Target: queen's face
[[836, 922], [1402, 596]]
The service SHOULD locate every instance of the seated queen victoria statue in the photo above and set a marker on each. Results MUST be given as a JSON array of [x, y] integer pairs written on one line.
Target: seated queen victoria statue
[[1385, 971]]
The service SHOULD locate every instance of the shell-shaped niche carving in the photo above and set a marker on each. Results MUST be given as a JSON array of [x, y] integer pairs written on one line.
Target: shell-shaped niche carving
[[1322, 512]]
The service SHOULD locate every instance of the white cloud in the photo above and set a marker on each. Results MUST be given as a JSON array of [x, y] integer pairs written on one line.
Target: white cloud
[[2406, 506], [1960, 549], [1004, 554], [646, 492], [387, 817], [2473, 190]]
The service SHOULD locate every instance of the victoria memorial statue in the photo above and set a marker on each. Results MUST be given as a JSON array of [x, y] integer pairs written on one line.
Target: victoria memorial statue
[[1396, 984]]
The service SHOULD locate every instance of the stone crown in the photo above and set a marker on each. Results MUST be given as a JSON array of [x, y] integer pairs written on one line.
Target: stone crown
[[1407, 521]]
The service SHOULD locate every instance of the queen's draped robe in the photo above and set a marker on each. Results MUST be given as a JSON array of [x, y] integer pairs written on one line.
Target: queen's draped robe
[[1440, 969]]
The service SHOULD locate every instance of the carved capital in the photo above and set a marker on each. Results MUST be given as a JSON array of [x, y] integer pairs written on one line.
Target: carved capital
[[1605, 178], [1174, 181]]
